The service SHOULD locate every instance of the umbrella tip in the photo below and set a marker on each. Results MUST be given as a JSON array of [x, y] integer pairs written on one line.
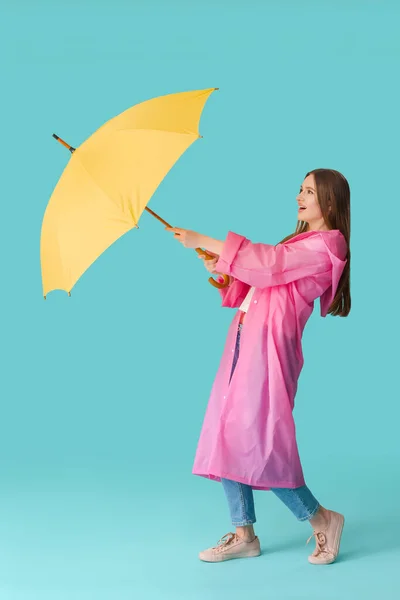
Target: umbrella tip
[[216, 88], [69, 294], [200, 136], [44, 297]]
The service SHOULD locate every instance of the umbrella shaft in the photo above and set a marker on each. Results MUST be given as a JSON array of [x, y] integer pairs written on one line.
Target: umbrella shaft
[[157, 217]]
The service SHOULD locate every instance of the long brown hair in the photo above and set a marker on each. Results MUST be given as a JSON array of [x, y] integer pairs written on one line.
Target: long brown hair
[[333, 190]]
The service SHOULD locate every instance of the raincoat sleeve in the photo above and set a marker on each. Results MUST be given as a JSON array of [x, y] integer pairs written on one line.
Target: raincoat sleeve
[[264, 265], [234, 294]]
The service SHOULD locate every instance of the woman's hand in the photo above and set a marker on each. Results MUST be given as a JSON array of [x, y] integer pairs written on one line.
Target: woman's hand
[[189, 239], [210, 263], [192, 239]]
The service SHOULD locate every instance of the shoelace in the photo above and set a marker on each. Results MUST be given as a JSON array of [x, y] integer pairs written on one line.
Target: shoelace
[[320, 539], [224, 541]]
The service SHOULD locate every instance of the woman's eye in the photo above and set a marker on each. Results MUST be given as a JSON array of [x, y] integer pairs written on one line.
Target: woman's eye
[[310, 191]]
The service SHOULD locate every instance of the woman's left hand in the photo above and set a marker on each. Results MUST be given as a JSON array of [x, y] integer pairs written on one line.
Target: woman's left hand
[[189, 239]]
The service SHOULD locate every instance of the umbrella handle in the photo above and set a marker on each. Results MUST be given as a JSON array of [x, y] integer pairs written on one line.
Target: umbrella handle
[[211, 280]]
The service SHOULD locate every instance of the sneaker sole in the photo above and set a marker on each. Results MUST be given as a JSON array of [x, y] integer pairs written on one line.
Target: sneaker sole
[[222, 558]]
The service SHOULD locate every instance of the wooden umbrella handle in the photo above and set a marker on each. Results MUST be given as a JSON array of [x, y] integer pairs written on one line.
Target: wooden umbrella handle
[[211, 280]]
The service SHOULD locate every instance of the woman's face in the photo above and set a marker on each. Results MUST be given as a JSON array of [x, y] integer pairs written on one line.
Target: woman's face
[[309, 209]]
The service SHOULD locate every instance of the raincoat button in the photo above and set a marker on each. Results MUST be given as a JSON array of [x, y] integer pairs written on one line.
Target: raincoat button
[[255, 301]]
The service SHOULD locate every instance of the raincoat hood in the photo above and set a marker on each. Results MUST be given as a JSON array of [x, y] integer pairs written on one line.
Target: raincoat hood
[[336, 246]]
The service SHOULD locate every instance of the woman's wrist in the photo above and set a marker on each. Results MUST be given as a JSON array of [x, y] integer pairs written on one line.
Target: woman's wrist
[[211, 244]]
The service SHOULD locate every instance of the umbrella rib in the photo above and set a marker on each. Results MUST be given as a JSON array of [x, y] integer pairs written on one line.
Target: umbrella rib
[[76, 157], [103, 192]]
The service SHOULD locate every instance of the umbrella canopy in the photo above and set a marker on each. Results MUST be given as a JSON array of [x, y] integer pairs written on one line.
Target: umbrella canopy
[[110, 179]]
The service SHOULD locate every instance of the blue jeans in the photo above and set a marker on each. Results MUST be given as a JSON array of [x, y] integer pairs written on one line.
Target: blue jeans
[[240, 496]]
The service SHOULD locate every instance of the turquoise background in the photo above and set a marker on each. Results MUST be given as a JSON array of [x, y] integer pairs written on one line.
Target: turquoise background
[[103, 394]]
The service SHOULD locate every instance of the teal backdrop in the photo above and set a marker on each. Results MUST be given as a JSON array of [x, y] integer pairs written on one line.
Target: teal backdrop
[[103, 394]]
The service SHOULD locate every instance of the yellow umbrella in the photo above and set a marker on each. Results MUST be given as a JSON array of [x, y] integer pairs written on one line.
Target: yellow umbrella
[[110, 179]]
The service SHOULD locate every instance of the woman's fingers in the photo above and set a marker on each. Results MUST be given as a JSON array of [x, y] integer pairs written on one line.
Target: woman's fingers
[[208, 255], [209, 263], [208, 260]]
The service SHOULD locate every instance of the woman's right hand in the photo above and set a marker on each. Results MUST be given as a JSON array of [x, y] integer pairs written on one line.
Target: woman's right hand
[[210, 263]]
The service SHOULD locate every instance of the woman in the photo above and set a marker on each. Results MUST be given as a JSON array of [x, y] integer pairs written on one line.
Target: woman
[[248, 438]]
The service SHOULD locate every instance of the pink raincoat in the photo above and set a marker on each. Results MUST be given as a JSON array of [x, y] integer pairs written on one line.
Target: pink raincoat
[[248, 434]]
